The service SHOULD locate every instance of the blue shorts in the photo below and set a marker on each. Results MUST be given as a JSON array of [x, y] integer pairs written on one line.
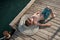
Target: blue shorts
[[46, 12]]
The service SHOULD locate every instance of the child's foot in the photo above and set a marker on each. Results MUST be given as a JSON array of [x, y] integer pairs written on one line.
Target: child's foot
[[54, 15]]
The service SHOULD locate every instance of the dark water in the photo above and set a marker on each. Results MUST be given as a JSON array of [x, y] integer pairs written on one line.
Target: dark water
[[8, 10]]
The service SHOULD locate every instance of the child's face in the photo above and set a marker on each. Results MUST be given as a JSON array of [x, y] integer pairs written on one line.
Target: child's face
[[29, 21]]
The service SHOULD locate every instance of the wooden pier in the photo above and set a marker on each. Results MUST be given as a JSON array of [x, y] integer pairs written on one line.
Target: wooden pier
[[47, 33]]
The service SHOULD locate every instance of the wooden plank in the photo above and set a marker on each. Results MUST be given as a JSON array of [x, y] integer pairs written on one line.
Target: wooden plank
[[45, 32], [53, 27], [51, 4], [57, 19], [57, 15], [54, 24], [53, 39], [18, 35], [18, 38], [57, 22], [44, 36], [35, 37], [28, 38], [15, 36], [50, 29], [58, 33], [57, 37], [57, 12]]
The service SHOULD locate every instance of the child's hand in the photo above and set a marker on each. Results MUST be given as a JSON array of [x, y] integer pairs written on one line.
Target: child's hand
[[54, 15]]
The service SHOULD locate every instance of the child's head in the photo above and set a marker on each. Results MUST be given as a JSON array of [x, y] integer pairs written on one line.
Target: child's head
[[28, 22]]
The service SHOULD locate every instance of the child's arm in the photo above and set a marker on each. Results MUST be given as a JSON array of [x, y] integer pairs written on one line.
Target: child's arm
[[39, 24], [52, 14], [36, 13]]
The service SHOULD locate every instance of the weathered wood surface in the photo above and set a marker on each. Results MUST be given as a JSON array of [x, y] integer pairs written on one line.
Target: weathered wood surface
[[47, 33]]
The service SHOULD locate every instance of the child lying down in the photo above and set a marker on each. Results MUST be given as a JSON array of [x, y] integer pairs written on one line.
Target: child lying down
[[30, 25], [39, 18]]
